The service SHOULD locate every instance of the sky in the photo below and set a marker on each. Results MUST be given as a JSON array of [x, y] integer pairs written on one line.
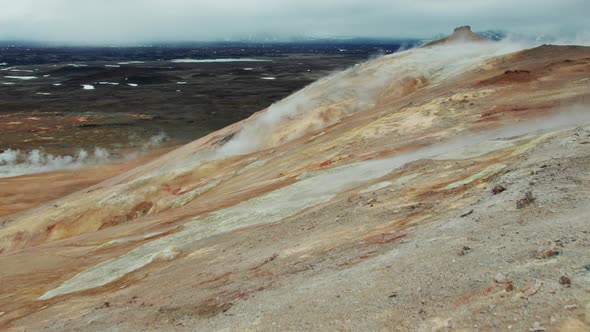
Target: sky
[[144, 21]]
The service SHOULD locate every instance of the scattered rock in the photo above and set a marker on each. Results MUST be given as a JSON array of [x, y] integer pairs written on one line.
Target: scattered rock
[[501, 278], [488, 309], [527, 200], [466, 213], [498, 189], [570, 307], [464, 251], [537, 327], [566, 281], [271, 258], [139, 210], [547, 253], [509, 287], [532, 290], [517, 71]]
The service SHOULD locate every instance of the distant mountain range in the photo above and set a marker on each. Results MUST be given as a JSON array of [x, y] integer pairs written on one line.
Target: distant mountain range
[[262, 39], [407, 42], [493, 34]]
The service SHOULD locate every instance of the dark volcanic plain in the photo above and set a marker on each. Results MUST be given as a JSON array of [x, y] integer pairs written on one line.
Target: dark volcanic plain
[[140, 92]]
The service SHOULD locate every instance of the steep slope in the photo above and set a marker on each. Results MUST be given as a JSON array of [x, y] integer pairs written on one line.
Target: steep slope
[[363, 201]]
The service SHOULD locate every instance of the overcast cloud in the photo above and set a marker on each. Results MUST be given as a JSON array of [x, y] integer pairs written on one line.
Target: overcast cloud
[[144, 21]]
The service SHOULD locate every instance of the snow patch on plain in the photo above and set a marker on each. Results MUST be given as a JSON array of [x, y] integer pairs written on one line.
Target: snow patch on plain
[[22, 70], [24, 78]]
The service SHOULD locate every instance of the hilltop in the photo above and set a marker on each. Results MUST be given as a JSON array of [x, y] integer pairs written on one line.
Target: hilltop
[[460, 34]]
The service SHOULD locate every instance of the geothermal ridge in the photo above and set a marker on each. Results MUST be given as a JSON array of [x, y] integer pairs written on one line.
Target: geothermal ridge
[[441, 188]]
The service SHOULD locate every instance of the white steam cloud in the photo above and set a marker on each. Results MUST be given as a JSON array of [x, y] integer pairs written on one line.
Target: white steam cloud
[[155, 141], [17, 162], [358, 89]]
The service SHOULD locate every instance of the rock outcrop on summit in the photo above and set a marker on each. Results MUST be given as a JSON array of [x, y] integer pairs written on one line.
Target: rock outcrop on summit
[[460, 34], [439, 188]]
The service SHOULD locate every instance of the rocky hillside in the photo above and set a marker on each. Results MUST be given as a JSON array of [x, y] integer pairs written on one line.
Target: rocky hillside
[[440, 188]]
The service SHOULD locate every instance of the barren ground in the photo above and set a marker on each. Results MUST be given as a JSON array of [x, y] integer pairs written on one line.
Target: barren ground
[[409, 193]]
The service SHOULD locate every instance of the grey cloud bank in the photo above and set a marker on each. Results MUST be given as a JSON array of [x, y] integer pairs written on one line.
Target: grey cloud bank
[[144, 21]]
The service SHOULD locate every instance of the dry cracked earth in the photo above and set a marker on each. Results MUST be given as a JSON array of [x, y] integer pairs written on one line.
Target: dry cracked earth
[[441, 188]]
